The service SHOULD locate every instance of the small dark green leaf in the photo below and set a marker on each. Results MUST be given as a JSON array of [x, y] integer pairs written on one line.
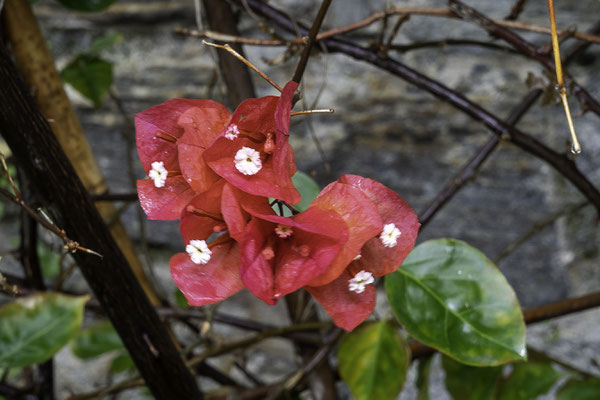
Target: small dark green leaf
[[87, 5], [448, 295], [470, 383], [34, 328], [580, 390], [308, 188], [96, 340], [121, 363], [373, 361], [49, 261], [528, 381], [90, 75], [423, 378], [104, 42], [180, 299]]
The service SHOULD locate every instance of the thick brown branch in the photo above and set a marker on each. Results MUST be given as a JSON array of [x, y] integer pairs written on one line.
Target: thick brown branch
[[38, 153]]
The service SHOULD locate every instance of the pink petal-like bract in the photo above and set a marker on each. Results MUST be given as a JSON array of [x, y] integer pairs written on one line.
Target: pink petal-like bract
[[360, 215], [255, 119], [375, 257], [162, 121], [201, 126], [272, 267], [164, 203], [212, 282], [202, 217], [347, 309]]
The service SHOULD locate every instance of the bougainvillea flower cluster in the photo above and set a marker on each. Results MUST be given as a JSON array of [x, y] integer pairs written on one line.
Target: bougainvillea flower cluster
[[217, 172]]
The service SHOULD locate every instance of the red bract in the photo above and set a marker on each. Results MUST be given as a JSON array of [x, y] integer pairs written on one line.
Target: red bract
[[279, 255], [215, 276], [253, 153], [349, 305], [158, 130]]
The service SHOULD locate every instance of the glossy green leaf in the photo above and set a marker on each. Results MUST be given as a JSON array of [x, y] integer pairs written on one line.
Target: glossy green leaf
[[588, 389], [448, 295], [89, 75], [121, 363], [373, 361], [528, 381], [34, 328], [87, 5], [104, 42], [96, 340], [424, 370], [308, 188], [180, 299], [465, 382]]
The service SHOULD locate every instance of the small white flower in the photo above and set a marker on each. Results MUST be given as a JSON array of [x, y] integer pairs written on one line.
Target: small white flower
[[158, 173], [198, 251], [283, 231], [360, 280], [389, 236], [232, 132], [247, 161]]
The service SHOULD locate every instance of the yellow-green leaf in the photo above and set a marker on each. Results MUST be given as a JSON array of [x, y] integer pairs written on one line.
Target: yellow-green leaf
[[34, 328], [373, 361]]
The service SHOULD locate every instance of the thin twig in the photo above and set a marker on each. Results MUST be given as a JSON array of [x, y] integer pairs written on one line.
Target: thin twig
[[575, 146], [237, 55], [311, 40], [322, 111], [516, 10]]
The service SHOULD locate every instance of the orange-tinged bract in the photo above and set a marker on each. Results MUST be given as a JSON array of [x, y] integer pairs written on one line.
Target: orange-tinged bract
[[216, 172]]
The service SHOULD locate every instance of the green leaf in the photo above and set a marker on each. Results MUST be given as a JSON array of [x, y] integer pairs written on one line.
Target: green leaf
[[580, 390], [121, 363], [528, 381], [104, 42], [96, 340], [373, 361], [423, 378], [34, 328], [87, 5], [90, 75], [308, 188], [448, 295], [49, 261], [180, 299], [470, 383]]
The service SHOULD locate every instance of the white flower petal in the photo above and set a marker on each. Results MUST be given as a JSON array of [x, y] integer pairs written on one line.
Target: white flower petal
[[389, 236], [247, 161], [198, 251], [158, 173]]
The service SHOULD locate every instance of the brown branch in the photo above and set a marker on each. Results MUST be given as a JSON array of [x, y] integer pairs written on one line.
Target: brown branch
[[311, 40], [516, 10], [528, 143]]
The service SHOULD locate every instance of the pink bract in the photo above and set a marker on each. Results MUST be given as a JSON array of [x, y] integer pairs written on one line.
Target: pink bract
[[267, 134]]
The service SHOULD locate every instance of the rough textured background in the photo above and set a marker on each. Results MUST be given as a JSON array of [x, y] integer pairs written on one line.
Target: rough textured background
[[383, 128]]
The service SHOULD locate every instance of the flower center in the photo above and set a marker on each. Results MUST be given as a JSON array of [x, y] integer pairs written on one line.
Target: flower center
[[247, 161], [232, 132], [360, 280], [284, 231], [158, 173], [389, 236], [198, 251]]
